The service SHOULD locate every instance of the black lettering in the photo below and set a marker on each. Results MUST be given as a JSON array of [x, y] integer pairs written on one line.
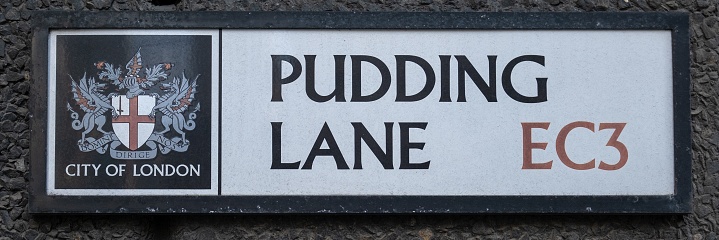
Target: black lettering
[[277, 80], [406, 145], [444, 78], [357, 78], [277, 149], [333, 150], [489, 90], [430, 78], [361, 134], [338, 93], [507, 80]]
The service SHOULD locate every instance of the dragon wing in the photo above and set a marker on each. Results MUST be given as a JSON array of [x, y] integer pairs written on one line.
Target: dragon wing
[[135, 64], [82, 95], [185, 94]]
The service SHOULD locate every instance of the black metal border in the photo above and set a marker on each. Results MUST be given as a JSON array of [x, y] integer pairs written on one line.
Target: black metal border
[[678, 23]]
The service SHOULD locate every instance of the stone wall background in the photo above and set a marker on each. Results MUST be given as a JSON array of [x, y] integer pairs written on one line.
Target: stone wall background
[[15, 81]]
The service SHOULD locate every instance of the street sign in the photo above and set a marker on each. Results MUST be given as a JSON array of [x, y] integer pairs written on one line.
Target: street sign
[[362, 113]]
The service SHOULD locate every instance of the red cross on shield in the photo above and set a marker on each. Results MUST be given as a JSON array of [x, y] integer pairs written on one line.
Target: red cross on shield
[[133, 126]]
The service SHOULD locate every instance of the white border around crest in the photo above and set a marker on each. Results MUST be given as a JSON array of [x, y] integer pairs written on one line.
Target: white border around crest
[[52, 104]]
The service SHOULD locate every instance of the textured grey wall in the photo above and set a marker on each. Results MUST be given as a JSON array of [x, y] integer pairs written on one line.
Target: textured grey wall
[[15, 80]]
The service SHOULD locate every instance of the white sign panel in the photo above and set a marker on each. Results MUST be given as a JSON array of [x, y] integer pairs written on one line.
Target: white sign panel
[[447, 112]]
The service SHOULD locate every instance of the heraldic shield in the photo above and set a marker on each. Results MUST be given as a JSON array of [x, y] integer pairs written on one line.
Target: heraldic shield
[[133, 126]]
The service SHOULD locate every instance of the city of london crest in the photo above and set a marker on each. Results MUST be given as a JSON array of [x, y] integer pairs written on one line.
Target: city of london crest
[[133, 100]]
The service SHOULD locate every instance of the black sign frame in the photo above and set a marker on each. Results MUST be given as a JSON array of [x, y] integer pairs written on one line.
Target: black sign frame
[[677, 203]]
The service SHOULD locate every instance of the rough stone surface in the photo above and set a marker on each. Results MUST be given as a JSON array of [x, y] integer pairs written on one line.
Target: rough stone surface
[[17, 223]]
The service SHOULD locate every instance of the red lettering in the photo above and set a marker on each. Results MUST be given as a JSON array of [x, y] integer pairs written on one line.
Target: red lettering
[[562, 140], [528, 145], [613, 142]]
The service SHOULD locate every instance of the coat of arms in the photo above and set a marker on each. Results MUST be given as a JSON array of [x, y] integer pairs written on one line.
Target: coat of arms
[[134, 101]]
